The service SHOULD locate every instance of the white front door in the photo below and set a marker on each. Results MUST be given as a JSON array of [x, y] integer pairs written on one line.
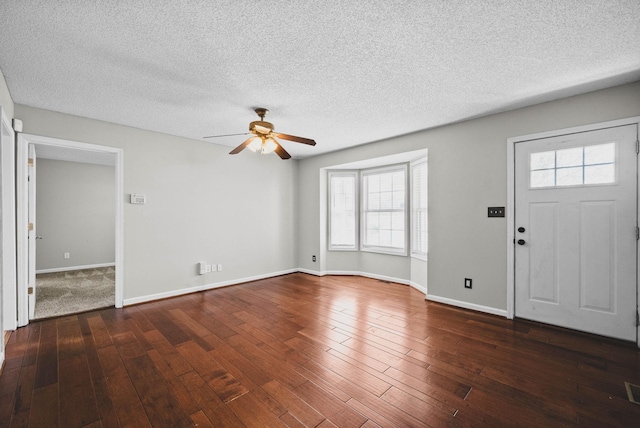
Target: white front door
[[576, 225]]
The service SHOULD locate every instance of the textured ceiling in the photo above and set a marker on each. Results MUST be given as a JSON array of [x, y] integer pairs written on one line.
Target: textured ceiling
[[339, 71]]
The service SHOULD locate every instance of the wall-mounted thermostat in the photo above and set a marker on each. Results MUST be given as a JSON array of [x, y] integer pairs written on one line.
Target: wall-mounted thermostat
[[138, 199]]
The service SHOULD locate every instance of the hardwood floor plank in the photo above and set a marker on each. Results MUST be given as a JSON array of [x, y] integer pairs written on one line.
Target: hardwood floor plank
[[45, 400], [252, 413], [187, 404], [201, 420], [123, 394], [332, 408], [176, 362], [297, 407], [108, 415], [300, 350], [23, 395], [169, 330], [419, 409], [158, 400], [220, 380], [78, 405], [240, 366], [47, 363], [274, 367], [99, 331], [8, 389]]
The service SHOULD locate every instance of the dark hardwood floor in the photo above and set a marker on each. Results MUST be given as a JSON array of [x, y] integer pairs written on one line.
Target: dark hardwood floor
[[299, 350]]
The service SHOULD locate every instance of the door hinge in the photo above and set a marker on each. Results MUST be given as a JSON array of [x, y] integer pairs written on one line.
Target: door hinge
[[637, 233], [637, 319], [637, 146], [30, 162], [30, 290], [30, 227]]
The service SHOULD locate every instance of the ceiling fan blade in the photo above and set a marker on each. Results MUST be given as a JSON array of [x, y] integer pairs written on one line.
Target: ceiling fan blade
[[242, 146], [280, 151], [296, 139], [227, 135]]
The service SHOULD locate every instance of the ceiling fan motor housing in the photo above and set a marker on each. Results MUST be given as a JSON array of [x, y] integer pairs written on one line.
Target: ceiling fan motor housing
[[260, 127]]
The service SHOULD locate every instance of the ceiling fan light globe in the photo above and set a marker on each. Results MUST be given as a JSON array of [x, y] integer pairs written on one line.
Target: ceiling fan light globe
[[268, 146], [255, 146], [264, 146]]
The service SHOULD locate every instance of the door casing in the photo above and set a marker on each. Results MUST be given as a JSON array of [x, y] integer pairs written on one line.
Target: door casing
[[22, 213], [510, 206]]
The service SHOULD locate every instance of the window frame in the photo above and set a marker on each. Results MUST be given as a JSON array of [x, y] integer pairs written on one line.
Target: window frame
[[344, 173], [404, 167], [417, 163]]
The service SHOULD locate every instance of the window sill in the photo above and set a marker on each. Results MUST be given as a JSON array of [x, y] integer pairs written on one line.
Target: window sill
[[384, 251]]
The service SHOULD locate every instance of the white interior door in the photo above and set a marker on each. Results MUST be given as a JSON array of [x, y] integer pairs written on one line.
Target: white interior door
[[31, 276], [576, 225]]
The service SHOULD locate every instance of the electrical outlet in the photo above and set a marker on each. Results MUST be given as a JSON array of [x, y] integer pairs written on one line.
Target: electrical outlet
[[313, 258], [202, 268], [467, 283], [66, 255], [214, 267], [207, 268]]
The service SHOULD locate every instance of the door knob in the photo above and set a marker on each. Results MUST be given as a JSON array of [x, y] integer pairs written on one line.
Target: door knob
[[521, 229], [521, 242]]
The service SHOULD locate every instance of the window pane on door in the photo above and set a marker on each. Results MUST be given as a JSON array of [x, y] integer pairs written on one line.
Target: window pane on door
[[600, 154], [599, 174], [577, 166]]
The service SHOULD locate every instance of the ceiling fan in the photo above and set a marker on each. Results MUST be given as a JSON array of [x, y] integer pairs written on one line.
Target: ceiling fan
[[263, 140]]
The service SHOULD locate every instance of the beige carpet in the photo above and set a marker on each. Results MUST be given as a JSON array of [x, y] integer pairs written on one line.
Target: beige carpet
[[63, 293]]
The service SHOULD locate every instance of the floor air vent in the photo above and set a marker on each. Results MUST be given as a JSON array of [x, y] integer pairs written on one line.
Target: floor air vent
[[633, 392]]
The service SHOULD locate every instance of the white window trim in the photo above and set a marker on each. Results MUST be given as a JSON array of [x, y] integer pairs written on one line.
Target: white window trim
[[414, 163], [344, 173], [380, 249]]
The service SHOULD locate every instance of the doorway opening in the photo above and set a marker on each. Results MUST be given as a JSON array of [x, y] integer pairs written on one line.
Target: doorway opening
[[74, 227]]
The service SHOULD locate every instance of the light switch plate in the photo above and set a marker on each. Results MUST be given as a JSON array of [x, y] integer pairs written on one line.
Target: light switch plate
[[496, 212]]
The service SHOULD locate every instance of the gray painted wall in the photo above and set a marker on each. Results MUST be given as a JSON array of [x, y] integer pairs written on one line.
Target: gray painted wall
[[258, 215], [202, 205], [467, 174], [75, 214]]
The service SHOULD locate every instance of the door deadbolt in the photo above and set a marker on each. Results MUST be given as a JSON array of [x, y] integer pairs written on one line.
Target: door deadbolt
[[521, 229], [521, 242]]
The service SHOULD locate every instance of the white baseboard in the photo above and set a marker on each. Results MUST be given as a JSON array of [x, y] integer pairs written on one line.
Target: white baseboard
[[467, 305], [182, 291], [415, 285], [422, 289], [70, 268]]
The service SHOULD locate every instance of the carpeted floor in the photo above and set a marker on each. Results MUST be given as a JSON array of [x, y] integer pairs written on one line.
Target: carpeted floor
[[62, 293]]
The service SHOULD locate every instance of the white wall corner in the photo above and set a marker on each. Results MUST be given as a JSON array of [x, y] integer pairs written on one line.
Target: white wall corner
[[420, 288], [311, 272]]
